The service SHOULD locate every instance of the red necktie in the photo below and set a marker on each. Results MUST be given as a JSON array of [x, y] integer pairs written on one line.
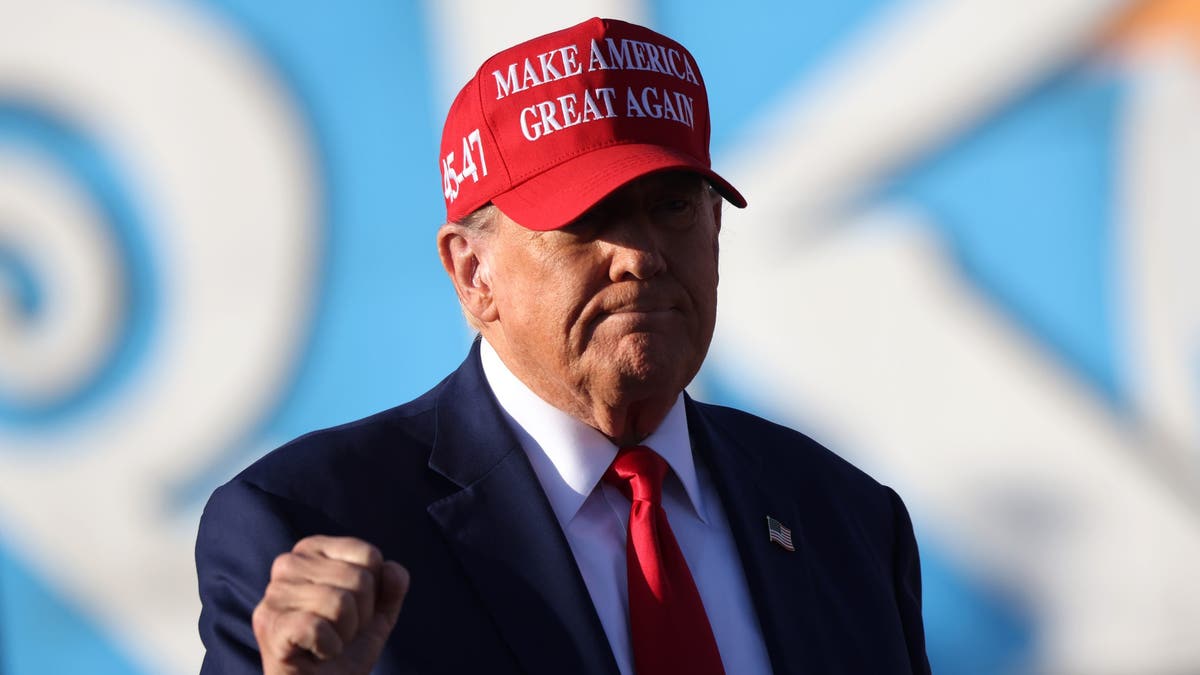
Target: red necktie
[[670, 630]]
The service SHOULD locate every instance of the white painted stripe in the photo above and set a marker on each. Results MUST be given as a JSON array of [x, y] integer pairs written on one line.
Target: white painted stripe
[[919, 74], [1159, 239]]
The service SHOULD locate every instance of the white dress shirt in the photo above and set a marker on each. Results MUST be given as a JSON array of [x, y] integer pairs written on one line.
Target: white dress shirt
[[570, 458]]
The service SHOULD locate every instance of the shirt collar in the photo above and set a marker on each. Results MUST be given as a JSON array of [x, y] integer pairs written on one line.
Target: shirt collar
[[570, 457]]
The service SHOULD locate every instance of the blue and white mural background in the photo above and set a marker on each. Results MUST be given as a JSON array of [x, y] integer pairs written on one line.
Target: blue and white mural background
[[967, 266]]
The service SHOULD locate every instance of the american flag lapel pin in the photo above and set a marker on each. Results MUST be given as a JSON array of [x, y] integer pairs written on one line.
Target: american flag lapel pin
[[780, 534]]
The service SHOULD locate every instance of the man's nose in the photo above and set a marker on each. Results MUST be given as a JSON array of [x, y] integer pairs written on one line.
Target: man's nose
[[635, 249]]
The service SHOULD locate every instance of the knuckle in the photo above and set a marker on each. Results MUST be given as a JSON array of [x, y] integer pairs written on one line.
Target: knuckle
[[357, 550], [260, 619], [276, 596], [305, 630], [326, 640], [342, 603], [363, 580], [283, 565], [311, 542], [372, 556]]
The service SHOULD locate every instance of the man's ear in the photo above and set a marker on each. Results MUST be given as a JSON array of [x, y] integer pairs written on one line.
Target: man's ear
[[463, 254]]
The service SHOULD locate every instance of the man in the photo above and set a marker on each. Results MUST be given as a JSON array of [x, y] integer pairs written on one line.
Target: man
[[561, 505]]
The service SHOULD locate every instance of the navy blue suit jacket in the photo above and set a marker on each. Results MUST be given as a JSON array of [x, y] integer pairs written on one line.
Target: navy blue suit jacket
[[442, 486]]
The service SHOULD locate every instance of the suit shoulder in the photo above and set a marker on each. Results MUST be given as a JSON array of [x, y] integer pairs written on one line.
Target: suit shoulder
[[383, 442], [784, 446]]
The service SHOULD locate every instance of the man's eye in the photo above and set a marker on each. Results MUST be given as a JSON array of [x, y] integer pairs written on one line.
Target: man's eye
[[676, 212], [675, 204]]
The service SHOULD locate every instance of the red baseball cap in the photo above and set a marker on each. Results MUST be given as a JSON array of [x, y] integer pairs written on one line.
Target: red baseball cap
[[548, 128]]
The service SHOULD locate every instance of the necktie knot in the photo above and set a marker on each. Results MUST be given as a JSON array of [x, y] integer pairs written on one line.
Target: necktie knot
[[638, 473]]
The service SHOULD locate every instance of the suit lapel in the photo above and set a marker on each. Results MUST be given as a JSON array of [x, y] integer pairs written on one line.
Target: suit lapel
[[781, 582], [501, 527]]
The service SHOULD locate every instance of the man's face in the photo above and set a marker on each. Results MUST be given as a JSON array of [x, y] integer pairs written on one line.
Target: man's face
[[617, 307]]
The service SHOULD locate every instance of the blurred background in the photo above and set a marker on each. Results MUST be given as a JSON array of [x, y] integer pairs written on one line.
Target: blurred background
[[968, 266]]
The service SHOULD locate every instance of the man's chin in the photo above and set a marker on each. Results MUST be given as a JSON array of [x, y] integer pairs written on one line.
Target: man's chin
[[646, 361]]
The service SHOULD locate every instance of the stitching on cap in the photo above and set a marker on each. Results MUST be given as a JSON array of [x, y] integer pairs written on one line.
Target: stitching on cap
[[561, 158]]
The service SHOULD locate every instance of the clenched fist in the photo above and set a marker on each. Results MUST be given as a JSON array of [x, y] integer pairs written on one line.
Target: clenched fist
[[329, 607]]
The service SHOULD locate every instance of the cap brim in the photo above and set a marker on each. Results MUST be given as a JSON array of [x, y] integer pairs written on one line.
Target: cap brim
[[561, 194]]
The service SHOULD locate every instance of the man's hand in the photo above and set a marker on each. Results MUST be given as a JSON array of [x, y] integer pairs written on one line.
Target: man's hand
[[328, 608]]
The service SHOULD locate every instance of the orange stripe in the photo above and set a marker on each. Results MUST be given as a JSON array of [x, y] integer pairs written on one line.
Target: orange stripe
[[1158, 20]]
